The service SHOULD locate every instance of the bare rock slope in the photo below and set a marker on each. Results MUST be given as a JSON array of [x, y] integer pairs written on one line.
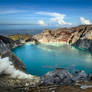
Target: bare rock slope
[[80, 36]]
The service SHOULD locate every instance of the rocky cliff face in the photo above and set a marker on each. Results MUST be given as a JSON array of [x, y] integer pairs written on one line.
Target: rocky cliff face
[[5, 45], [48, 36], [80, 36], [9, 42], [12, 70], [84, 38]]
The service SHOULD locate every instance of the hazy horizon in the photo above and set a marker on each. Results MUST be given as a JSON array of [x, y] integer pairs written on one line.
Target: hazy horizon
[[61, 13], [34, 16]]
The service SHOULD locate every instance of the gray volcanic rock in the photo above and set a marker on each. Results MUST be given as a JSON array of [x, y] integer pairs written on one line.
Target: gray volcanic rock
[[15, 60], [80, 76], [62, 77], [84, 43], [9, 42], [5, 52], [6, 40], [84, 38], [3, 47], [59, 76]]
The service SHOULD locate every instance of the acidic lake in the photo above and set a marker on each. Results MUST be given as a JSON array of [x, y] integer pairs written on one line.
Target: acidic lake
[[39, 59]]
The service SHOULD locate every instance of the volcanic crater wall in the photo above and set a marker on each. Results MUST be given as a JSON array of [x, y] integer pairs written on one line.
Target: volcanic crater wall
[[80, 36]]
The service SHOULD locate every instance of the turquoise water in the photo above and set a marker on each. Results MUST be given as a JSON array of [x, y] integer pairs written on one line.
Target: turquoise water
[[40, 59]]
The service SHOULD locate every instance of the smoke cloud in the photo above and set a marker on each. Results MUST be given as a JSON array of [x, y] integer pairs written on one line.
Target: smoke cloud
[[7, 67]]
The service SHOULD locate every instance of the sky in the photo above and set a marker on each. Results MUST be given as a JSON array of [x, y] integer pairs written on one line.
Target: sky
[[46, 12]]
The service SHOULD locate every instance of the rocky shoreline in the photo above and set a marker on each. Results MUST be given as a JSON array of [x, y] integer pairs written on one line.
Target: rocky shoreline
[[80, 36]]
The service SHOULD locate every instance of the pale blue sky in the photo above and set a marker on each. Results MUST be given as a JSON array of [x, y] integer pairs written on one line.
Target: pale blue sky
[[46, 12]]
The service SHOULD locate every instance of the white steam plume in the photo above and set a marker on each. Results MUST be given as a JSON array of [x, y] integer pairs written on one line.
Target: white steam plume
[[7, 67]]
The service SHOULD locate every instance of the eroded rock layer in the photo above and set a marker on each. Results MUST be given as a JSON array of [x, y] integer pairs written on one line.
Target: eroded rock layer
[[80, 36]]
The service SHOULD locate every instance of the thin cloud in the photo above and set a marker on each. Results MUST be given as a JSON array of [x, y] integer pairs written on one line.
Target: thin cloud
[[56, 17], [84, 21], [41, 22], [12, 11]]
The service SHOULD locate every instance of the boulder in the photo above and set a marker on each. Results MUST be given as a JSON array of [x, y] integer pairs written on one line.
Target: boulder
[[57, 77], [90, 77], [79, 76], [62, 76]]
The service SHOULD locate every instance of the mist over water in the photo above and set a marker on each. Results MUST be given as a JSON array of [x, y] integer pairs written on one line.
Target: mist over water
[[39, 59]]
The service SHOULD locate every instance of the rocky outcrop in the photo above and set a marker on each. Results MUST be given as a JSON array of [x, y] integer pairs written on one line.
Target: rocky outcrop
[[15, 60], [48, 36], [7, 82], [5, 52], [57, 77], [32, 41], [20, 37], [9, 42], [63, 77], [84, 38], [80, 36]]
